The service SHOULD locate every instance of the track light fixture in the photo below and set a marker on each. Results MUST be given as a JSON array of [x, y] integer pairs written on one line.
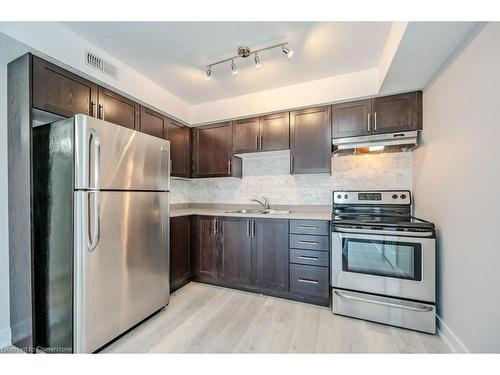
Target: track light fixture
[[233, 67], [244, 52], [287, 51], [258, 64]]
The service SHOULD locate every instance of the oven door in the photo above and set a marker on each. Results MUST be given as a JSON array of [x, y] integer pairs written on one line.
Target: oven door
[[380, 263]]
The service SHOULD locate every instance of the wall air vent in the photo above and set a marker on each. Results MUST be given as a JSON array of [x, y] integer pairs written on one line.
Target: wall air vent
[[100, 64]]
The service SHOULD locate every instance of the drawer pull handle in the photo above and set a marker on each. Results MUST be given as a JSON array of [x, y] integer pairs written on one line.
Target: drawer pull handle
[[309, 242], [309, 281], [308, 257], [308, 226]]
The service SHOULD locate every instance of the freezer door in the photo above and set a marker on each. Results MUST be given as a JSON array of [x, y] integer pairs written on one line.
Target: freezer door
[[121, 263], [111, 157]]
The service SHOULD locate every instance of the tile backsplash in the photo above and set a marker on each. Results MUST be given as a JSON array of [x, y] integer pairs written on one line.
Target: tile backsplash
[[269, 176]]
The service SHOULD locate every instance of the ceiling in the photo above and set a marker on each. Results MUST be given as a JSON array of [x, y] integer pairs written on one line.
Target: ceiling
[[174, 54]]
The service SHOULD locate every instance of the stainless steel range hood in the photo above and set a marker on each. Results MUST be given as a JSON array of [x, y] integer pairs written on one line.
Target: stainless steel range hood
[[377, 143]]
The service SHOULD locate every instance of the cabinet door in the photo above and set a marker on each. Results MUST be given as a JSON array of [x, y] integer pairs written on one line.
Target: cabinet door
[[270, 254], [310, 141], [207, 247], [246, 135], [152, 123], [397, 113], [212, 150], [61, 92], [179, 137], [351, 119], [118, 109], [236, 251], [180, 253], [275, 132]]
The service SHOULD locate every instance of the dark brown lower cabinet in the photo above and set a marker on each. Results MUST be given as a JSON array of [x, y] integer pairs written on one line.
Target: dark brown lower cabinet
[[180, 251], [235, 251], [252, 254], [206, 244], [270, 254]]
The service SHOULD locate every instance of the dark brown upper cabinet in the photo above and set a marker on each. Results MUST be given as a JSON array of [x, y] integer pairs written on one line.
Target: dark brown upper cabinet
[[152, 123], [58, 91], [397, 113], [265, 133], [351, 119], [180, 148], [246, 135], [310, 141], [235, 267], [118, 109], [180, 251], [387, 114], [270, 254], [275, 132], [212, 152]]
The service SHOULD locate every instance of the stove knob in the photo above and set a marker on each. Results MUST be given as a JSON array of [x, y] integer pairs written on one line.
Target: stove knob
[[403, 196], [346, 196], [394, 196], [339, 196]]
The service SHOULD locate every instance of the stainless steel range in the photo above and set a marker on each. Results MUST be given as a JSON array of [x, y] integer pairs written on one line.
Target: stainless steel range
[[383, 260]]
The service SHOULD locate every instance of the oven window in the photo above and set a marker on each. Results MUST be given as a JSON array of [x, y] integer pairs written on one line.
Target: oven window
[[383, 258]]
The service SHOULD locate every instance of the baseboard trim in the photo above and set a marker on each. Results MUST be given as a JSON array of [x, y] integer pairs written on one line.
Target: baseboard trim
[[450, 339], [5, 338]]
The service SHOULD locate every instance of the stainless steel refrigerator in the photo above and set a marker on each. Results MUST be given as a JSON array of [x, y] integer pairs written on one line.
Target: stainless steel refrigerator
[[101, 231]]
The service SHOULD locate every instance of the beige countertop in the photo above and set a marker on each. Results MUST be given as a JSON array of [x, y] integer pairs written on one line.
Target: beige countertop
[[297, 212]]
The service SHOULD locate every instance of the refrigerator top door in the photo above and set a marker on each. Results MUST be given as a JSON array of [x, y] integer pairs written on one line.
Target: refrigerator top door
[[112, 157]]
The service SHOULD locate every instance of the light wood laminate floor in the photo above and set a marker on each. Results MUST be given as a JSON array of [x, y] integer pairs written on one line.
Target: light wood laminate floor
[[208, 319]]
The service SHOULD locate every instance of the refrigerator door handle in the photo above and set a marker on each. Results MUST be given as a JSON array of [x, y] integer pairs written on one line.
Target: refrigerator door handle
[[94, 235], [97, 157]]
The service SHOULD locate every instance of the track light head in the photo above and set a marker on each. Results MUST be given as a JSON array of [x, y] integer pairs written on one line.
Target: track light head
[[258, 64], [233, 67], [287, 51], [208, 73]]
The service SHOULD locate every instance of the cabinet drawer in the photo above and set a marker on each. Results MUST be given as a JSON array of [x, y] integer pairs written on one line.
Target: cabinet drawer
[[318, 227], [310, 257], [300, 241], [309, 280]]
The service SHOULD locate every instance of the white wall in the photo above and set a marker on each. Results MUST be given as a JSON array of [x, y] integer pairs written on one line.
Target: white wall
[[270, 176], [4, 237], [457, 182], [58, 44], [327, 90]]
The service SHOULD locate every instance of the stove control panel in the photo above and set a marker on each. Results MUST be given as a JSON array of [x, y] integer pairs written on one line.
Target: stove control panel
[[398, 197]]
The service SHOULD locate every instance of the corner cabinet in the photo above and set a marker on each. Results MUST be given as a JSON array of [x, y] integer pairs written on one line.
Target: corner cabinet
[[387, 114], [180, 147], [212, 152], [180, 251], [310, 141]]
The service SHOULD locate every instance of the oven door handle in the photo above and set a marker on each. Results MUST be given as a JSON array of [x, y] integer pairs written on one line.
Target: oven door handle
[[403, 306], [394, 233]]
